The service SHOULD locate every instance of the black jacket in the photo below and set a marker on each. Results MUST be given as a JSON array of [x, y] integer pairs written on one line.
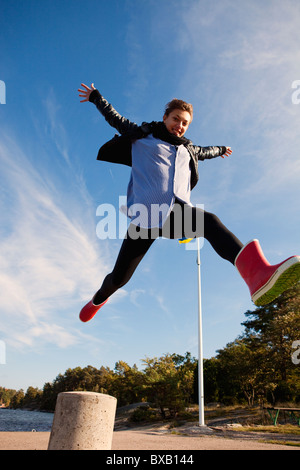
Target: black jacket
[[118, 149]]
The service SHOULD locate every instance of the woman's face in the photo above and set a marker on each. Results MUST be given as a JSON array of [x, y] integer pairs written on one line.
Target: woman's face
[[177, 122]]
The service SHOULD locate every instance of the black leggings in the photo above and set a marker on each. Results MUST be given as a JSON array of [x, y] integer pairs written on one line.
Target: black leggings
[[196, 223]]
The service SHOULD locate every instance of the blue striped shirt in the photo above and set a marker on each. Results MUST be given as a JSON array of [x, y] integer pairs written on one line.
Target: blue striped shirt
[[160, 173]]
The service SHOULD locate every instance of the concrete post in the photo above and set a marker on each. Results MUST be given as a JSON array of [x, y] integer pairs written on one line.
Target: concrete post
[[83, 421]]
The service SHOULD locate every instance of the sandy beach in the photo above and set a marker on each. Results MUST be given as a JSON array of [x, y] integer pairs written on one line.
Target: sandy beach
[[152, 439]]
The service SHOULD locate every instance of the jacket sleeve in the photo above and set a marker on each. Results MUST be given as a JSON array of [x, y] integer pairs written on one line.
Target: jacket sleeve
[[113, 118], [205, 153]]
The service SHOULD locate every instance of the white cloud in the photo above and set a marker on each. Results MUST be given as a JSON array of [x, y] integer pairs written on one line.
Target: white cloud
[[46, 333], [57, 130], [135, 294], [50, 260], [243, 59]]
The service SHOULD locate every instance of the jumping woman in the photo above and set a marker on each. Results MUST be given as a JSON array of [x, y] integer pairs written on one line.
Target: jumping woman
[[164, 170]]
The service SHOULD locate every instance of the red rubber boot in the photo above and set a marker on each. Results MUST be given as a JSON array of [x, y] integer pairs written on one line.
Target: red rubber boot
[[266, 282], [89, 310]]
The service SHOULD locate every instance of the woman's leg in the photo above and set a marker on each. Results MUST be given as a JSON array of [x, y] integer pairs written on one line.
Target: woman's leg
[[224, 242], [193, 222], [265, 281], [131, 253]]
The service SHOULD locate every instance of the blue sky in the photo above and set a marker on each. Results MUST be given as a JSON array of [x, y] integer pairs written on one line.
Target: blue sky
[[236, 62]]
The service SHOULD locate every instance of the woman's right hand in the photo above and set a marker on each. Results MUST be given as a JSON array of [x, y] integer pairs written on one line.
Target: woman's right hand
[[85, 93]]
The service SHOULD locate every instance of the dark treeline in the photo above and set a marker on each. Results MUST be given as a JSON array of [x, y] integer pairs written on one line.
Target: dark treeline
[[257, 367]]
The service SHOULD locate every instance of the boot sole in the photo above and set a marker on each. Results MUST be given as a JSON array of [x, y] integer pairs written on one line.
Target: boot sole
[[287, 275]]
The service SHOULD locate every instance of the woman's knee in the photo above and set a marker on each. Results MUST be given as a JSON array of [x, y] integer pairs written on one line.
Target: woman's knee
[[211, 220]]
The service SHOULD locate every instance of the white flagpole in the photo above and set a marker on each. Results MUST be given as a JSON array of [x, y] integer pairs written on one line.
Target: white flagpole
[[200, 348]]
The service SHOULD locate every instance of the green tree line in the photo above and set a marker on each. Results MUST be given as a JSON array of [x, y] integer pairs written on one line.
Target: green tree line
[[256, 367]]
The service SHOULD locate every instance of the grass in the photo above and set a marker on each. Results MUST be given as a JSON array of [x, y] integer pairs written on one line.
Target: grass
[[283, 443], [279, 429]]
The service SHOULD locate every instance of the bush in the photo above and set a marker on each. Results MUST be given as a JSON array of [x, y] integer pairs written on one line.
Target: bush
[[144, 413]]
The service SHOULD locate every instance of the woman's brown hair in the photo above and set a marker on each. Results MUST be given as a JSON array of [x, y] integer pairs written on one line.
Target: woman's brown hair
[[179, 104]]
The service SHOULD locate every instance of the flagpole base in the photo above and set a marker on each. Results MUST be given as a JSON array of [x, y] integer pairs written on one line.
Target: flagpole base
[[204, 429]]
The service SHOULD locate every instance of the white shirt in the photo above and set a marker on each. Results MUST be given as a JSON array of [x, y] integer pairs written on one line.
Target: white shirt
[[160, 173]]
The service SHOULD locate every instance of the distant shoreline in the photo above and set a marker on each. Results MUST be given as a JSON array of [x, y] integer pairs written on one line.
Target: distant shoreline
[[26, 409]]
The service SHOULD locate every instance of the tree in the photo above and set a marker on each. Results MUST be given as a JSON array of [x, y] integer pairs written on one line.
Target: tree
[[17, 399], [32, 398], [6, 395], [48, 398], [239, 371], [169, 382], [273, 329], [127, 384], [211, 385]]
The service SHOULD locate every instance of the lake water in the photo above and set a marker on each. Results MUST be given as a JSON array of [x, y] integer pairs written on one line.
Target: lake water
[[26, 421]]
